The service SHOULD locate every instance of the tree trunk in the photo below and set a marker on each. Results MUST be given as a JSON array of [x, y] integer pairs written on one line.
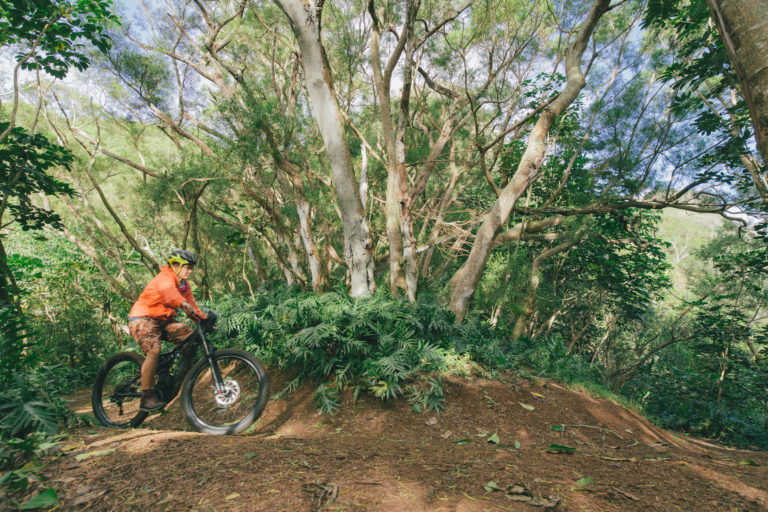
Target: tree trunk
[[743, 26], [319, 281], [406, 224], [530, 301], [464, 281], [7, 283], [382, 80], [304, 18], [444, 202]]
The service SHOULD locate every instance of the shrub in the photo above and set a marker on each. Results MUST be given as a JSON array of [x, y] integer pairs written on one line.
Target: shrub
[[376, 344]]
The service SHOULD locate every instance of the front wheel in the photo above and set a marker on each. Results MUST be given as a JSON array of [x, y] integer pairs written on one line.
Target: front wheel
[[116, 394], [234, 408]]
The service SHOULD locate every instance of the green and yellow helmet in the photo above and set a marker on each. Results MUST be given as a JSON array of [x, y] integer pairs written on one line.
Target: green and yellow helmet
[[182, 257]]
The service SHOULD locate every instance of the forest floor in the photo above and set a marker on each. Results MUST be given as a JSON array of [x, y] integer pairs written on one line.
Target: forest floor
[[490, 449]]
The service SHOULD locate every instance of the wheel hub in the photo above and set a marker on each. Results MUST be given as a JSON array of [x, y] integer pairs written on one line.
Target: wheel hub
[[229, 394]]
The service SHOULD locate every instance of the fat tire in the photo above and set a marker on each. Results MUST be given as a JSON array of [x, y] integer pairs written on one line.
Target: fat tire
[[202, 365], [98, 387]]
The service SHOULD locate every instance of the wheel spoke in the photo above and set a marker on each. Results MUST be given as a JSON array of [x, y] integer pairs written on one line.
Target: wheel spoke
[[235, 406], [117, 391]]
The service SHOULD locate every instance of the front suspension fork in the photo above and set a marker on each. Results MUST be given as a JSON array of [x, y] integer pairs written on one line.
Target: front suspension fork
[[218, 380]]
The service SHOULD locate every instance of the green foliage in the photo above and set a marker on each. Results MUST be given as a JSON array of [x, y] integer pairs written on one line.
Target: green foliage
[[703, 79], [50, 33], [146, 74], [16, 451], [11, 344], [28, 405], [427, 394], [30, 410], [383, 346], [548, 356], [679, 391], [24, 161], [28, 397], [73, 318], [715, 384]]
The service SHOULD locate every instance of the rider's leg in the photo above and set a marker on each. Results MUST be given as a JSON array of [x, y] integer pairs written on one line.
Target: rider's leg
[[147, 332], [178, 333], [148, 369]]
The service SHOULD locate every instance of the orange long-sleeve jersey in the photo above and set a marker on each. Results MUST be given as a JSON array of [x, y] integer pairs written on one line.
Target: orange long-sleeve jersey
[[162, 296]]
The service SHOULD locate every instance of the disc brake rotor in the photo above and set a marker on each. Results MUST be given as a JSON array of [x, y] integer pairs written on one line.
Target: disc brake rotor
[[229, 394]]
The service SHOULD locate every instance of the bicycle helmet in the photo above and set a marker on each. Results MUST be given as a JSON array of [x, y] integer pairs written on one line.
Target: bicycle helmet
[[182, 257]]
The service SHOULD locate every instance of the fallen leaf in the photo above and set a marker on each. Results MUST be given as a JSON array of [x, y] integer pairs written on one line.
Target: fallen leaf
[[431, 421], [48, 445], [492, 486], [557, 428], [561, 448], [165, 500], [494, 438], [526, 406], [620, 459], [232, 496], [249, 455], [45, 499], [537, 395], [463, 440], [583, 482], [520, 493], [540, 382], [536, 501], [747, 462], [625, 493], [85, 498], [517, 445], [97, 453], [446, 434]]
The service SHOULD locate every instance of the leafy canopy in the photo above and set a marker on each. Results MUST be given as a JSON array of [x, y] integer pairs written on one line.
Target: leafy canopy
[[51, 34], [24, 160]]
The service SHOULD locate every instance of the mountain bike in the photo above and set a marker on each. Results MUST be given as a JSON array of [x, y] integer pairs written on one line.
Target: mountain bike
[[224, 392]]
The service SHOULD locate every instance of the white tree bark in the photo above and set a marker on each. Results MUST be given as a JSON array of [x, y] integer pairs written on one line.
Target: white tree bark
[[743, 25], [304, 17], [464, 281], [382, 80]]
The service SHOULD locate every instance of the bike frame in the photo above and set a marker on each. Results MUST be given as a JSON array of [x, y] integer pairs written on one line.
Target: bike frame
[[187, 352]]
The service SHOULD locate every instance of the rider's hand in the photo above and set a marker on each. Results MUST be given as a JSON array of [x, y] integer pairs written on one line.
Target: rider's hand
[[187, 308], [209, 322]]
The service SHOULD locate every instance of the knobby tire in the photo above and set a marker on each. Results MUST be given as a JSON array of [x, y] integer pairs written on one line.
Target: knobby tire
[[117, 381], [234, 411]]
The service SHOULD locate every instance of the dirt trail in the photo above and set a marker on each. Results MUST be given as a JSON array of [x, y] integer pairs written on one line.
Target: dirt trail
[[374, 457]]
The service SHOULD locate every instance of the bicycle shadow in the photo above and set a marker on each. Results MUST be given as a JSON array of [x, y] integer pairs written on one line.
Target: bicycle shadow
[[289, 416]]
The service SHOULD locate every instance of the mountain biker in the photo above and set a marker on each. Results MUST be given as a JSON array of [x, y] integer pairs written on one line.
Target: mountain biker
[[153, 317]]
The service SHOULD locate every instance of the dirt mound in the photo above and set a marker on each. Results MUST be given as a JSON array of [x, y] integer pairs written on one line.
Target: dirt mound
[[494, 447]]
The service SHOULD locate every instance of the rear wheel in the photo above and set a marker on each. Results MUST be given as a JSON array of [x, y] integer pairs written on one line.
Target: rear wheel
[[116, 394], [238, 405]]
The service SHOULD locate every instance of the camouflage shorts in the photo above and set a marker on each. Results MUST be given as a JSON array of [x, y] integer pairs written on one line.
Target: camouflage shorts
[[149, 331]]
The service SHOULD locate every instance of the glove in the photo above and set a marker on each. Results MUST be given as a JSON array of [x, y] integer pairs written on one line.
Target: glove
[[209, 322]]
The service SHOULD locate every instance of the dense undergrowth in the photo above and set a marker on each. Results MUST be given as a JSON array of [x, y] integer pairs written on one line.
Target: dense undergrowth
[[385, 347], [388, 348]]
